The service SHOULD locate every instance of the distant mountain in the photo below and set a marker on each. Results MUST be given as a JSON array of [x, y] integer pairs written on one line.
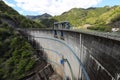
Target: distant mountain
[[97, 17], [79, 16], [45, 19], [39, 17]]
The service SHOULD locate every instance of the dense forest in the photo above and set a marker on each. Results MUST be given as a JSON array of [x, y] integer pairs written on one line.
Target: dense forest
[[101, 18], [96, 18], [16, 53]]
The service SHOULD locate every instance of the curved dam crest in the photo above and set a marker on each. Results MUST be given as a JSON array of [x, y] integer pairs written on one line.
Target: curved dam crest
[[98, 52]]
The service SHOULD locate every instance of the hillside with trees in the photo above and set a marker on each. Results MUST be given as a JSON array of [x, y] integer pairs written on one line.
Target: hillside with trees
[[108, 20], [14, 19], [79, 16], [39, 17], [16, 53], [95, 18], [45, 19], [102, 18]]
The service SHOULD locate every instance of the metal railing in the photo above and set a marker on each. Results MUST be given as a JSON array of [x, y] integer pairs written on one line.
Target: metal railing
[[73, 52], [62, 58]]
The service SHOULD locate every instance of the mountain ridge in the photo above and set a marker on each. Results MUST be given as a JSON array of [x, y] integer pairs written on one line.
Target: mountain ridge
[[99, 18], [41, 17], [80, 16]]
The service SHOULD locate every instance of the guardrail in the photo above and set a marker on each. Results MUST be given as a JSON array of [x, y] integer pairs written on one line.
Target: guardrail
[[106, 35], [73, 53], [60, 55]]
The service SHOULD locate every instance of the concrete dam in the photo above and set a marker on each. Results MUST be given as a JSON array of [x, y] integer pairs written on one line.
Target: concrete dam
[[79, 55]]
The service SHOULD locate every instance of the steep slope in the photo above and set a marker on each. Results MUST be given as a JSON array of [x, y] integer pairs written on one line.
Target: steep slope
[[102, 19], [108, 20], [79, 16], [12, 18], [6, 9], [45, 19], [17, 56], [112, 16], [76, 16]]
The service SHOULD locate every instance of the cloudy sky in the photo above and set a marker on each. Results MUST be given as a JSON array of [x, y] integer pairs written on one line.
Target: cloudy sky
[[55, 7]]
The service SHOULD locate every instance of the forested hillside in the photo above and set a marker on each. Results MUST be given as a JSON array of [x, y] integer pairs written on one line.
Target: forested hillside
[[45, 19], [79, 16], [16, 54], [110, 17], [39, 17], [96, 18], [14, 19], [103, 18]]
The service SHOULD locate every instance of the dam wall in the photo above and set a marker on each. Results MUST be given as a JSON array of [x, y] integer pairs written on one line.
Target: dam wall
[[99, 52]]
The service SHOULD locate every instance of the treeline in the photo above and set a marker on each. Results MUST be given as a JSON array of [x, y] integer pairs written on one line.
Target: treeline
[[102, 18]]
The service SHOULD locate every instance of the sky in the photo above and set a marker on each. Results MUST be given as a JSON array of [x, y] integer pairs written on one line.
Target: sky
[[55, 7]]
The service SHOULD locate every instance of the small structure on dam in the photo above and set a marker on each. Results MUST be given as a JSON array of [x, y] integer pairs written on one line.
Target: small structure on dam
[[62, 25]]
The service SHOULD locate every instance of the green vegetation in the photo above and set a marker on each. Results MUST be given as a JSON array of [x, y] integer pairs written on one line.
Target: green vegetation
[[49, 23], [115, 22], [14, 19], [39, 17], [109, 16], [44, 19], [79, 16], [104, 28], [15, 54], [6, 9], [19, 21], [101, 19]]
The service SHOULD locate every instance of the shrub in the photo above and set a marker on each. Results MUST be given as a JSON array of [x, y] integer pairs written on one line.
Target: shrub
[[16, 55], [104, 28], [117, 18]]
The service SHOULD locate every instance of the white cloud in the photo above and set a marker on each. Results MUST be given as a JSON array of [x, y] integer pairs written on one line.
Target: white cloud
[[10, 4], [21, 12], [54, 7]]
